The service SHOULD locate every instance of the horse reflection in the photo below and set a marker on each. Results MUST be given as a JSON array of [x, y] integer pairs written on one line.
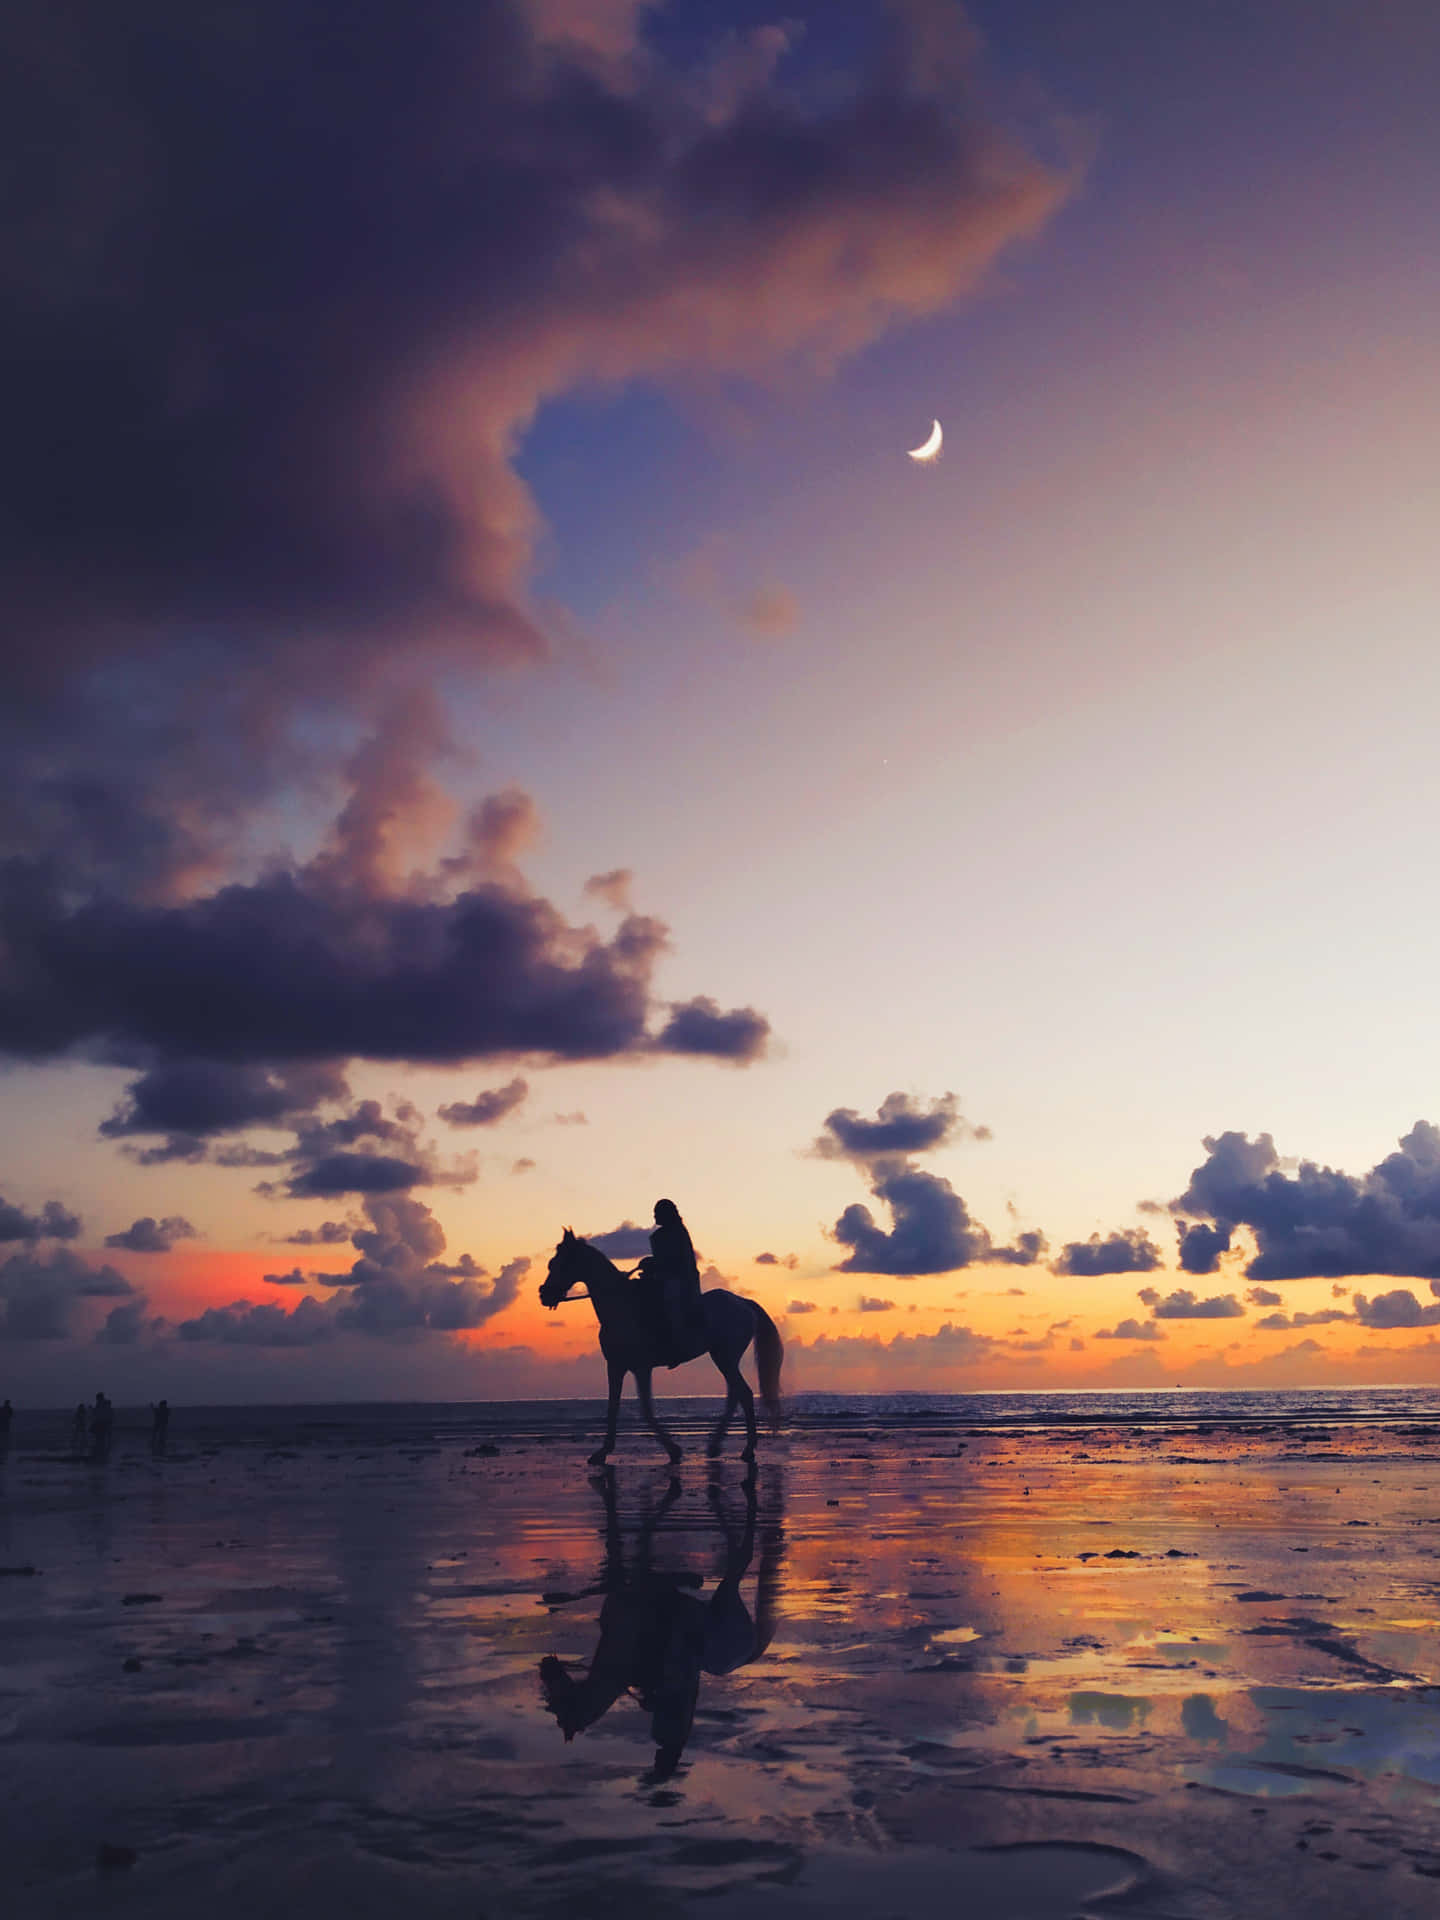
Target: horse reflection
[[657, 1636]]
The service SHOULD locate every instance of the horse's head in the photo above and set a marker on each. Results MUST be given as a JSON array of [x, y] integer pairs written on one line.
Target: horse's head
[[566, 1267]]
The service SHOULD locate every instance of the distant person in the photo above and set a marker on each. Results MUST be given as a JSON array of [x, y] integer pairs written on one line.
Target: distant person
[[159, 1425], [102, 1426], [7, 1414], [79, 1427], [672, 1274]]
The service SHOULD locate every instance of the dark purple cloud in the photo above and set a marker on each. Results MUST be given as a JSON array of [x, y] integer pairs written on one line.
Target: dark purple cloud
[[40, 1293], [1129, 1251], [1398, 1308], [1286, 1322], [932, 1231], [1264, 1297], [148, 1235], [1201, 1247], [52, 1222], [789, 1260], [294, 969], [869, 1304], [1131, 1330], [126, 1325], [701, 1027], [1319, 1222], [330, 1233], [903, 1125], [1182, 1304], [295, 1278], [398, 1287], [625, 1242], [488, 1108], [802, 1306], [280, 304]]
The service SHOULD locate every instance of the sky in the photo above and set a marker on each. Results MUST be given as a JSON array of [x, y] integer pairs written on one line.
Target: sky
[[496, 729]]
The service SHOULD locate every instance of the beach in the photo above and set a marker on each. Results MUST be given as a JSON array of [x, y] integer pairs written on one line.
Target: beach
[[1188, 1668]]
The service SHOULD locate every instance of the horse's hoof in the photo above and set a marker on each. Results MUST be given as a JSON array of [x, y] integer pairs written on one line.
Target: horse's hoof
[[598, 1458], [748, 1453]]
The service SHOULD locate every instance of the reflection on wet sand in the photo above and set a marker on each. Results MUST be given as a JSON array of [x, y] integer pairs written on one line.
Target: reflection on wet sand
[[656, 1636], [1187, 1677]]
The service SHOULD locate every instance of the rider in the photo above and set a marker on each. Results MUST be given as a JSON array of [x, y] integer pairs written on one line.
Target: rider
[[671, 1266]]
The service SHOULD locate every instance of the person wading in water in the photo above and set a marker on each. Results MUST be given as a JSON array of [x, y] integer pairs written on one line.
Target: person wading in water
[[671, 1276]]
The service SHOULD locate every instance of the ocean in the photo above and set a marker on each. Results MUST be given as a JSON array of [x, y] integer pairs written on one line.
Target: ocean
[[441, 1422]]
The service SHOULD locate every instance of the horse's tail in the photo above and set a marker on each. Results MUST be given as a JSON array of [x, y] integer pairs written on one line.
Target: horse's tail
[[769, 1356]]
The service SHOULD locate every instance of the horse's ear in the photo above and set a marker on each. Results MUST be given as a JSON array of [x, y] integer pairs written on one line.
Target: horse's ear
[[569, 1233]]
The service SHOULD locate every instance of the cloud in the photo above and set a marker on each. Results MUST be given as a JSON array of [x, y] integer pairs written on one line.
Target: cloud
[[1320, 1222], [1284, 1322], [1264, 1297], [625, 1242], [699, 1026], [398, 1288], [789, 1260], [487, 1108], [127, 1325], [613, 888], [310, 965], [297, 487], [52, 1222], [770, 611], [902, 1125], [1399, 1308], [193, 1101], [148, 1235], [1029, 1249], [295, 1278], [861, 1358], [40, 1293], [1131, 1330], [523, 1165], [1128, 1251], [1183, 1305], [802, 1306], [869, 1304], [932, 1230], [1201, 1247], [570, 1120], [329, 1233]]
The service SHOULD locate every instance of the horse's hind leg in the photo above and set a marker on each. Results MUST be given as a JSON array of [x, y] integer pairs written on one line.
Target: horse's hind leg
[[739, 1389], [648, 1415], [722, 1425]]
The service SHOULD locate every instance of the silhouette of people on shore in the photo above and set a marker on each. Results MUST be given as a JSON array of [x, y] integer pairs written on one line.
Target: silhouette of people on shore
[[7, 1415], [657, 1637], [159, 1425], [79, 1427], [670, 1274], [102, 1427]]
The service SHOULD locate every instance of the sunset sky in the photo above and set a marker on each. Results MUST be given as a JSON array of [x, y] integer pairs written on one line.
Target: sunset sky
[[496, 729]]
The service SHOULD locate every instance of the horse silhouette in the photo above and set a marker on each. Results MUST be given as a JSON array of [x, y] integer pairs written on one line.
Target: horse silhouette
[[656, 1638], [631, 1344]]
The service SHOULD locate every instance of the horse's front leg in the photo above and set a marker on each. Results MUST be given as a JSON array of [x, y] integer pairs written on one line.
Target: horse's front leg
[[612, 1417], [648, 1415]]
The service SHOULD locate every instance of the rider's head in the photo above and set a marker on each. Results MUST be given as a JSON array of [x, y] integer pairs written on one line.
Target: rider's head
[[666, 1212]]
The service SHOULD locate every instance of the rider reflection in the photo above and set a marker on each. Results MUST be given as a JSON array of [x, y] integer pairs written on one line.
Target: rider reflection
[[657, 1636]]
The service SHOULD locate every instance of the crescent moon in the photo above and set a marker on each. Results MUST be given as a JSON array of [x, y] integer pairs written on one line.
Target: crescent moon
[[931, 447]]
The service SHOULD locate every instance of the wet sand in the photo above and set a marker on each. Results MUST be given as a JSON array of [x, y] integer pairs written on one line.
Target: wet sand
[[1182, 1673]]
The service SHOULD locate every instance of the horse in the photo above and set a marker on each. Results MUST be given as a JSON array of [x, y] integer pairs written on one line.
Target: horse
[[631, 1345]]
